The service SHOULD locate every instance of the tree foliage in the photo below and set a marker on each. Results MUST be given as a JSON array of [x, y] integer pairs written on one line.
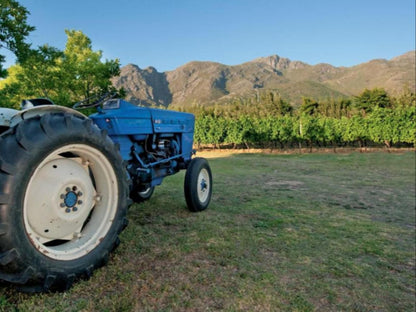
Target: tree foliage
[[370, 99], [13, 31], [63, 76], [309, 106], [329, 123], [261, 104], [85, 73]]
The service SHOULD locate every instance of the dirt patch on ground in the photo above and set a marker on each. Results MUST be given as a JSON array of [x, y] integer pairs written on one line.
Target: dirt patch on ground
[[287, 184]]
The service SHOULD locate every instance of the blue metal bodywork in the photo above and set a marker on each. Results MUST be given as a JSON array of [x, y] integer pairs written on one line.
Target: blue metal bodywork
[[154, 142]]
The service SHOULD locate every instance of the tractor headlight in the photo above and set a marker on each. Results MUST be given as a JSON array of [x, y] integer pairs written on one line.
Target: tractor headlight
[[111, 104]]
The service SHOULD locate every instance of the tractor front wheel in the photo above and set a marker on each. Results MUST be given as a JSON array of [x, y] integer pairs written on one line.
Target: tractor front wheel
[[198, 185], [63, 201]]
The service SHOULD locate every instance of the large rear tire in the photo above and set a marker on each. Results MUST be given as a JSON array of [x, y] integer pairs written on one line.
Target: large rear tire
[[63, 201]]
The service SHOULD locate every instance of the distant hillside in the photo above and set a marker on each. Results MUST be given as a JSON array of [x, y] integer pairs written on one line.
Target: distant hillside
[[209, 82]]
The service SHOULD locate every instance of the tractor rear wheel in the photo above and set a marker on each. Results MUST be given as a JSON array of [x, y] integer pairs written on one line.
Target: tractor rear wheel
[[63, 201]]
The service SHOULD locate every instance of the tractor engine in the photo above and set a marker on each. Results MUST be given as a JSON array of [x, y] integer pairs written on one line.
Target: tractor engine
[[154, 142], [153, 158], [163, 147]]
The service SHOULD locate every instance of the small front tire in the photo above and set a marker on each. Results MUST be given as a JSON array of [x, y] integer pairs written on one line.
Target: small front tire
[[198, 185]]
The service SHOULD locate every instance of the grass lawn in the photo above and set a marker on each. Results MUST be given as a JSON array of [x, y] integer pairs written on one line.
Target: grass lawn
[[324, 232]]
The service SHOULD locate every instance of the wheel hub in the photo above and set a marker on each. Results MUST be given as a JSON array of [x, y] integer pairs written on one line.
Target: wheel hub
[[57, 210], [204, 185], [71, 199]]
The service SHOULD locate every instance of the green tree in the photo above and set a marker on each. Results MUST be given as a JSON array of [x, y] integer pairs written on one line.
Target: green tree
[[369, 99], [10, 88], [406, 98], [13, 31], [63, 76], [271, 104], [309, 107], [334, 108], [40, 73], [84, 72]]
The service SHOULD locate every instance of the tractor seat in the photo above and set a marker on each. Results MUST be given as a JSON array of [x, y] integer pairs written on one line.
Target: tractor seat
[[35, 102]]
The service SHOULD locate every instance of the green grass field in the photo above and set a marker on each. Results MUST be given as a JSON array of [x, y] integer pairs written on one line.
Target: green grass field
[[311, 232]]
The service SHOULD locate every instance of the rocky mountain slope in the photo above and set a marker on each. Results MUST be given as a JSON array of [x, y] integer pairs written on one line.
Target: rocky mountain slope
[[209, 82]]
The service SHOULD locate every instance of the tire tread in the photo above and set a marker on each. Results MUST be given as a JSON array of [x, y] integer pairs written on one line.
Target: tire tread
[[23, 141]]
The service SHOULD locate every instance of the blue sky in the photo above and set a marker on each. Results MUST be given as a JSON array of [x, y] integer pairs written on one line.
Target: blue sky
[[169, 33]]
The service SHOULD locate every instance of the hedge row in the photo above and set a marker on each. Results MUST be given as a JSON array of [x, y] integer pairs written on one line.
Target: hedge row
[[382, 126]]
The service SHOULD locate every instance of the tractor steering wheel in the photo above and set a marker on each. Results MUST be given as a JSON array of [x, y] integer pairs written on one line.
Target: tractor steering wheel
[[94, 101]]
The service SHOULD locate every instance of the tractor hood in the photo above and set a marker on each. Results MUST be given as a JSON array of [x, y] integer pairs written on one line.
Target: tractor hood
[[171, 121], [120, 117]]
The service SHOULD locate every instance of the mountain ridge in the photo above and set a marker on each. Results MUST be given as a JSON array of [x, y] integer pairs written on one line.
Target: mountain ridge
[[206, 82]]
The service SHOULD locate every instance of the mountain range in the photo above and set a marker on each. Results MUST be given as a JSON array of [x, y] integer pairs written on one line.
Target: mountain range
[[205, 83]]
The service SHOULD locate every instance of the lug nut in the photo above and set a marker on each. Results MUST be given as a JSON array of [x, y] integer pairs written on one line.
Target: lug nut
[[79, 194], [80, 202], [74, 188], [62, 205], [74, 209], [67, 210], [62, 196], [68, 189]]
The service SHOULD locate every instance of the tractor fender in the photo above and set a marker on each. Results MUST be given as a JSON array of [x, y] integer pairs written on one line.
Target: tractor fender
[[6, 115], [38, 111]]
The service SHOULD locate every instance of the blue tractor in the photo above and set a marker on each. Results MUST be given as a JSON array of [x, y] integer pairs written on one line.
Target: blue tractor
[[66, 181]]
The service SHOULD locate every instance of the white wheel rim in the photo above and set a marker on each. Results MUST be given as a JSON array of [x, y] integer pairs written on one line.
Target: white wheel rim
[[70, 202], [204, 185]]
